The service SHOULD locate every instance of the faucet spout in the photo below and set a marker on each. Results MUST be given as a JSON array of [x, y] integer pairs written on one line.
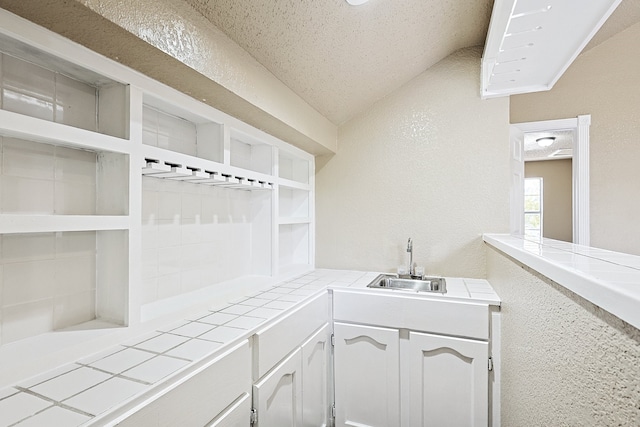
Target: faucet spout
[[410, 251]]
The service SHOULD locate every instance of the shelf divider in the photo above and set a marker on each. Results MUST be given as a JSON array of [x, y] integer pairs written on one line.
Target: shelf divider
[[15, 125], [20, 223]]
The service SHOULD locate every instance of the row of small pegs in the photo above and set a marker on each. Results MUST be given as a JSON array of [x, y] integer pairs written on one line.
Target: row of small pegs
[[157, 169]]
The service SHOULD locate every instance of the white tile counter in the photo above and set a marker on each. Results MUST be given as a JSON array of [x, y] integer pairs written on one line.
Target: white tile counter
[[610, 280], [86, 391]]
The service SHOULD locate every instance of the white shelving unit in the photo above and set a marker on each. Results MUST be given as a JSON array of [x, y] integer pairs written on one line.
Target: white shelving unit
[[120, 197]]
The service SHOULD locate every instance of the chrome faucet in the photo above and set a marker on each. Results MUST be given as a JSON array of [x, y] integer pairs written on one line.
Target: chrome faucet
[[410, 250]]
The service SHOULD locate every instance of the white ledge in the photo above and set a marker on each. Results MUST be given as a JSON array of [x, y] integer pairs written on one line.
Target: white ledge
[[610, 280]]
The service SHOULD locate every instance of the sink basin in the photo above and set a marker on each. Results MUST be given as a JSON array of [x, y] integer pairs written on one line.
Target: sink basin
[[426, 284]]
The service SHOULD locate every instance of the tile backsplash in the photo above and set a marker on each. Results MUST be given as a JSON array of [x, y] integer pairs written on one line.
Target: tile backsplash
[[193, 236], [44, 94], [45, 179], [47, 282]]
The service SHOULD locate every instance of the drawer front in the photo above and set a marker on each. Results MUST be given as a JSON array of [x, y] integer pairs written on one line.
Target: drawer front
[[202, 396], [273, 343], [464, 319]]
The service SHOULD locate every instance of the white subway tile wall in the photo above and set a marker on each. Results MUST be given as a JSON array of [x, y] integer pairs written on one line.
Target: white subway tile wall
[[192, 237], [44, 94], [44, 179], [47, 282]]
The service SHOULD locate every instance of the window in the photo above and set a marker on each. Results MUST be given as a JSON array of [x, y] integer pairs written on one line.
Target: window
[[533, 207]]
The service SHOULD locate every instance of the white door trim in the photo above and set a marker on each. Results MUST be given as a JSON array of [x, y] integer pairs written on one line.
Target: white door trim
[[580, 169]]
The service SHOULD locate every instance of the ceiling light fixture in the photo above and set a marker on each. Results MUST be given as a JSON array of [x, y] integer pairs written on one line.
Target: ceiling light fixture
[[356, 2], [546, 141]]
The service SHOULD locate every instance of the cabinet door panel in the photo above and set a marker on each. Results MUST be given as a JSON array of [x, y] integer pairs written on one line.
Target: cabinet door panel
[[278, 396], [367, 377], [315, 354], [237, 415], [449, 381]]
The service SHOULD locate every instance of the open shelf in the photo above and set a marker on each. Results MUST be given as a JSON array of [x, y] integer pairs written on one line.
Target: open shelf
[[250, 153], [294, 244], [193, 136], [44, 179], [10, 224], [52, 281], [293, 168], [120, 196], [37, 84]]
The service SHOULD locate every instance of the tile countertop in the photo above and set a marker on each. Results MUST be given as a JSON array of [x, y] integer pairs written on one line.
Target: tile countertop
[[610, 280], [86, 391]]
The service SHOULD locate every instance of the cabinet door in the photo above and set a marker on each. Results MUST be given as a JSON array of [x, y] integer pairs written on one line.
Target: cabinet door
[[367, 376], [237, 415], [449, 381], [315, 354], [278, 395]]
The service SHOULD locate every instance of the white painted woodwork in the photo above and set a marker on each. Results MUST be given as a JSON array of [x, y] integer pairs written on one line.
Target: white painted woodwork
[[580, 172], [86, 102], [315, 368], [367, 376], [516, 191], [273, 343], [449, 381], [197, 397], [278, 396], [528, 47], [581, 183], [408, 312], [236, 415]]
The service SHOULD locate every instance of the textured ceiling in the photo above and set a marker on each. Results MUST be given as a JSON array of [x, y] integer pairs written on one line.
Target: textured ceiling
[[563, 141], [341, 58]]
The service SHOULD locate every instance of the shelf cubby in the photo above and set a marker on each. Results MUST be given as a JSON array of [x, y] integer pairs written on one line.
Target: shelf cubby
[[52, 281], [293, 168], [39, 85], [294, 204], [250, 153], [294, 246], [182, 132]]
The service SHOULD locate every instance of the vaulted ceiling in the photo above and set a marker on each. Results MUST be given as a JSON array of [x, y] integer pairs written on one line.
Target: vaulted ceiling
[[341, 59]]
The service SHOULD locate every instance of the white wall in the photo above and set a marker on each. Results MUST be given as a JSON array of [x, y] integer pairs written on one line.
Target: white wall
[[564, 360], [603, 82], [429, 162]]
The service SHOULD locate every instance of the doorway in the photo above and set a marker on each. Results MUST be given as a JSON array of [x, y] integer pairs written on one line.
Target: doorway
[[579, 128]]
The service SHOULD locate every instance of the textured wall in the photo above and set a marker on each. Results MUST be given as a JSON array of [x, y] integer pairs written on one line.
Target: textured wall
[[557, 197], [603, 82], [565, 362], [428, 162]]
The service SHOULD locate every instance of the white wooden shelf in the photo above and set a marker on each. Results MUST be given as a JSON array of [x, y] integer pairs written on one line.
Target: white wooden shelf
[[25, 127], [294, 220], [293, 185], [20, 223]]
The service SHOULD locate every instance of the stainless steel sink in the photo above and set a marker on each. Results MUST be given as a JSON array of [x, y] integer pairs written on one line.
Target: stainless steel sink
[[426, 284]]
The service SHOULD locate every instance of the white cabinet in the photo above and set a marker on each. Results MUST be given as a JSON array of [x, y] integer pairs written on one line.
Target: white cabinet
[[367, 375], [315, 368], [291, 363], [278, 396], [237, 415], [410, 361], [213, 395], [449, 381], [295, 392]]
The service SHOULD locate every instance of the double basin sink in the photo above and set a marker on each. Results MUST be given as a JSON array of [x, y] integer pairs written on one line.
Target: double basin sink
[[416, 284]]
